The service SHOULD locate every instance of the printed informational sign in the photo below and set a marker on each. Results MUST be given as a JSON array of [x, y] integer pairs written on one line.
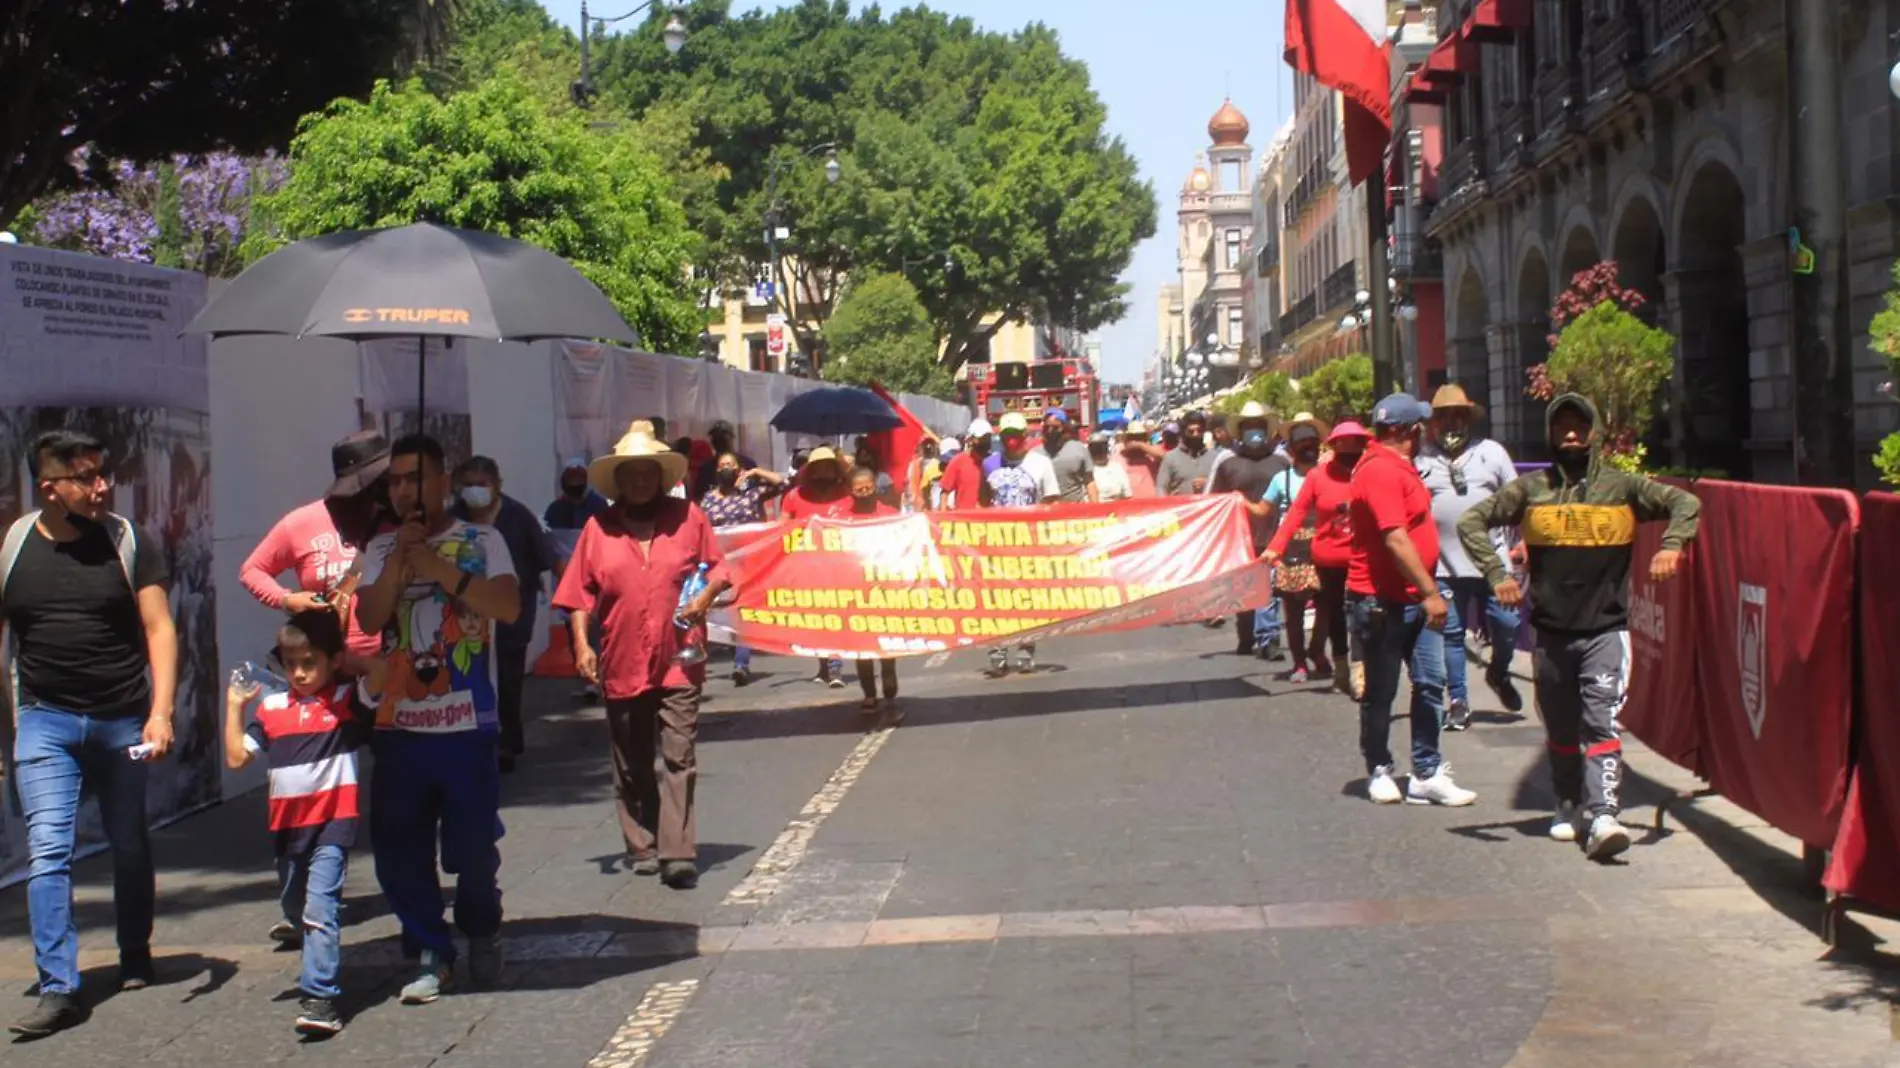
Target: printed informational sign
[[934, 582]]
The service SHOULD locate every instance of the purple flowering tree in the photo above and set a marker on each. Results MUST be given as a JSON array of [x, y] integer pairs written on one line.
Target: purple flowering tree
[[190, 212]]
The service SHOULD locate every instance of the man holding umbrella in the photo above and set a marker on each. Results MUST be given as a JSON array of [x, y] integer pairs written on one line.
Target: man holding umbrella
[[434, 590]]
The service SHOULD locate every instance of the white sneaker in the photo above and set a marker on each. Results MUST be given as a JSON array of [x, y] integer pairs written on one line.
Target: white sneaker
[[1607, 838], [1438, 790], [1381, 787], [1563, 826]]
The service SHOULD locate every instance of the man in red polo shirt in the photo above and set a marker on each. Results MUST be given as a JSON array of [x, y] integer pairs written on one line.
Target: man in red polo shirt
[[1392, 599]]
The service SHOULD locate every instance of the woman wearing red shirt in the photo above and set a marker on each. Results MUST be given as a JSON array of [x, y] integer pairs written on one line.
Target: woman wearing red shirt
[[1325, 501], [866, 505], [628, 570]]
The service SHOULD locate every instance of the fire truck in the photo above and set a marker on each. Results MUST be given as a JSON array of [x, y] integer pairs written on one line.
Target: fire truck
[[1067, 383]]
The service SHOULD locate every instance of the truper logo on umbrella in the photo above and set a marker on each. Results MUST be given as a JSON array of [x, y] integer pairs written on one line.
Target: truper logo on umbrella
[[446, 316]]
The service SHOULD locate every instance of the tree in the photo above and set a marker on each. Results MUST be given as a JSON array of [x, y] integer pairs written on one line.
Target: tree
[[975, 164], [1275, 389], [882, 334], [494, 159], [187, 212], [85, 83], [1885, 334], [1603, 351], [1339, 389]]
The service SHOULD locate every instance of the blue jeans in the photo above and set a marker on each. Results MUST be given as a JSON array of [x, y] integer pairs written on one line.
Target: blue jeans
[[60, 757], [741, 658], [1266, 623], [428, 786], [1392, 635], [312, 893], [1501, 625]]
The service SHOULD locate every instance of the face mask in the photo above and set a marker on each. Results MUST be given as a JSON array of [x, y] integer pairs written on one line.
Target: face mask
[[1347, 460], [1573, 462], [727, 477], [575, 492], [1306, 454], [1453, 443], [864, 503], [477, 497], [1193, 441]]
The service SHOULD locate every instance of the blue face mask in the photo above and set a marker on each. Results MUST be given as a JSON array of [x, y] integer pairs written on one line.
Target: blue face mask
[[477, 497]]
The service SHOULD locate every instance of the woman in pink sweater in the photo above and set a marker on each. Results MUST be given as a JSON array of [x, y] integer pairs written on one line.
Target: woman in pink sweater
[[308, 543]]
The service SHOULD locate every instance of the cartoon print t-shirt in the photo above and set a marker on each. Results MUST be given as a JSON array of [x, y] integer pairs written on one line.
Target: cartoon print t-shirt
[[441, 662]]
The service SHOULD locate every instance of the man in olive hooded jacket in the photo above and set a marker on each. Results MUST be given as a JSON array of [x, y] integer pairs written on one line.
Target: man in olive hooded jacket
[[1578, 519]]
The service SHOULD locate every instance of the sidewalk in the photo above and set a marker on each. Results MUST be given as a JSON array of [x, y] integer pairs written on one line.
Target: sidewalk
[[1148, 853]]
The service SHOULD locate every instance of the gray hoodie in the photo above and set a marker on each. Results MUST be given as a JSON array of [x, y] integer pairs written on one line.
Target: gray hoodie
[[1486, 468]]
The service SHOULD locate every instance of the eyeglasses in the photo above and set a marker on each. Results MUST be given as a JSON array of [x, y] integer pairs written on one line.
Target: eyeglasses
[[86, 479]]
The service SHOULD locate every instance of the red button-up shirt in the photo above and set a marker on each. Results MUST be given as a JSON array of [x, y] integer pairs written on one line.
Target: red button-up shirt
[[635, 594]]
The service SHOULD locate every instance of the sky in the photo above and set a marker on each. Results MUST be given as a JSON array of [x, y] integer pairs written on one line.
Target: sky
[[1162, 75]]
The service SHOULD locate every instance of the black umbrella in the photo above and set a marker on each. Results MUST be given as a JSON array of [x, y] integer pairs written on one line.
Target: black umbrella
[[418, 281], [832, 411]]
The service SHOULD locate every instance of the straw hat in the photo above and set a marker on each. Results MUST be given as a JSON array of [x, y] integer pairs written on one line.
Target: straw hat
[[1136, 429], [1255, 412], [1306, 419], [1452, 395], [638, 444], [823, 454]]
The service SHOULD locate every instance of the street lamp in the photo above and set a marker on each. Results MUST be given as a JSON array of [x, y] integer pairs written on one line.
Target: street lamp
[[673, 35], [833, 171]]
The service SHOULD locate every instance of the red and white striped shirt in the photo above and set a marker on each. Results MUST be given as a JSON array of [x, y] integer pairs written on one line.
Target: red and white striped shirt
[[311, 742]]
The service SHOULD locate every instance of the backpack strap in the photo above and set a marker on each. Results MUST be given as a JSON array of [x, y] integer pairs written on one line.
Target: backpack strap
[[11, 545], [125, 539]]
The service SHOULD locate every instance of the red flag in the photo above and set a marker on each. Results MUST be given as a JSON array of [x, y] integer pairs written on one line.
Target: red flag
[[896, 448], [1343, 45]]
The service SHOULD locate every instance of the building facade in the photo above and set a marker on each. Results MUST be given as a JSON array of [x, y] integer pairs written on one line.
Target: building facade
[[1655, 135], [1322, 236], [1265, 282]]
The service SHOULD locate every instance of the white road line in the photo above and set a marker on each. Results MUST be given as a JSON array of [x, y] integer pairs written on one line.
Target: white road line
[[651, 1018], [763, 881]]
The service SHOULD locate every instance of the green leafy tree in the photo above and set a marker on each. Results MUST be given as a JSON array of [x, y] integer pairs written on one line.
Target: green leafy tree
[[976, 164], [1275, 390], [882, 334], [1885, 334], [494, 159], [1339, 389], [1619, 362], [87, 83]]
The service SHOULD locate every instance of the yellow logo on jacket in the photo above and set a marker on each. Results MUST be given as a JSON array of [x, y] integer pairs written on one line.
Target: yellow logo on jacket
[[1579, 526]]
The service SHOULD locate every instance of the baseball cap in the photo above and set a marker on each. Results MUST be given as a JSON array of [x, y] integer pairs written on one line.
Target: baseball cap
[[1057, 415], [574, 463], [948, 446], [1171, 428], [1400, 409], [1013, 423], [980, 428]]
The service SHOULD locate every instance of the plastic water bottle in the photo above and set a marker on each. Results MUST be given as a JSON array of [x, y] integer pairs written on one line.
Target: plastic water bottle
[[692, 643], [256, 680]]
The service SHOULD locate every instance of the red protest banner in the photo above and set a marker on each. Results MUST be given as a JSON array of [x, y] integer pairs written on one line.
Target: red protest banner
[[932, 582], [1662, 707], [1866, 855], [1774, 599]]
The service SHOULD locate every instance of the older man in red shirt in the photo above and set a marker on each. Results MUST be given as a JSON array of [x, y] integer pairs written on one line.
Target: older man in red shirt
[[1392, 599], [628, 569]]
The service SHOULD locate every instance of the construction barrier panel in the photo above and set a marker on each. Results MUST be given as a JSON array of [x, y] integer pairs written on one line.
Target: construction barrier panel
[[1866, 857], [1774, 634], [1662, 707]]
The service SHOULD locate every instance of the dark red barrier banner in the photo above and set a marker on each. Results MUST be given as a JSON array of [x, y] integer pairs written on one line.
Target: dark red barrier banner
[[934, 582], [1774, 599], [1866, 860], [1662, 708]]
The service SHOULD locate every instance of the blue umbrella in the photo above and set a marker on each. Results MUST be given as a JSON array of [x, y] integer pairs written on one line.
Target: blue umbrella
[[832, 411]]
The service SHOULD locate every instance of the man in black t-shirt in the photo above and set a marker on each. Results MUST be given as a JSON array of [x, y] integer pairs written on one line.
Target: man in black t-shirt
[[82, 597], [1248, 470]]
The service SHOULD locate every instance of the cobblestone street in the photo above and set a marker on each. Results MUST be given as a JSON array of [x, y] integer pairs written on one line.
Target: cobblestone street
[[1148, 853]]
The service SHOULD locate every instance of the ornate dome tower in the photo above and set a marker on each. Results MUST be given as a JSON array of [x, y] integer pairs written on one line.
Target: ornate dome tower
[[1228, 127]]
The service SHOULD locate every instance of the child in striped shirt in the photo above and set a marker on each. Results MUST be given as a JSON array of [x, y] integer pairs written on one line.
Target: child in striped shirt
[[310, 735]]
